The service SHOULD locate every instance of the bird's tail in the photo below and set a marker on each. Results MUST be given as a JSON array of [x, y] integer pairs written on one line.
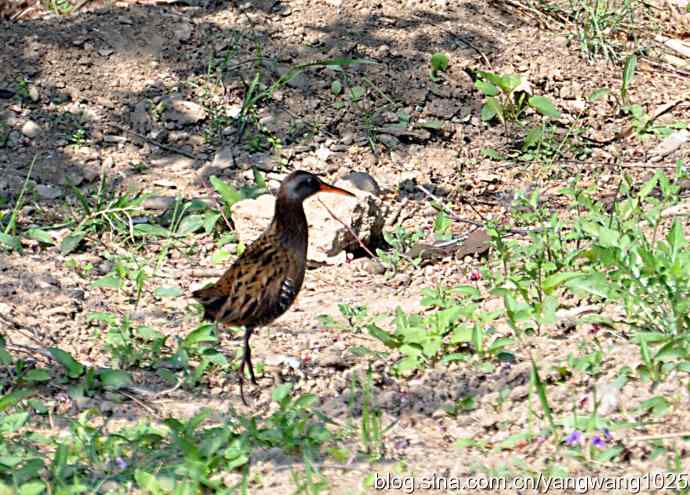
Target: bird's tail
[[211, 299]]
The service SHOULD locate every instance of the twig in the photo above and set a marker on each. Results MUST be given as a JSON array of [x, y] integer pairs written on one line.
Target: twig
[[447, 209], [150, 409], [153, 141], [153, 395], [660, 436], [352, 233]]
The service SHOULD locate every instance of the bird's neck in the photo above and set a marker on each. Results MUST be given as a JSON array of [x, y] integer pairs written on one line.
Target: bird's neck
[[291, 225]]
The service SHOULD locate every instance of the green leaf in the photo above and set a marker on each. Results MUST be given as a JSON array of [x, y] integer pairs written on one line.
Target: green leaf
[[281, 392], [439, 61], [432, 124], [73, 367], [110, 281], [486, 87], [147, 482], [161, 292], [385, 337], [598, 94], [191, 224], [336, 87], [10, 241], [492, 108], [357, 93], [557, 279], [35, 487], [71, 242], [13, 398], [13, 422], [40, 235], [628, 73], [114, 379], [203, 333], [229, 194], [544, 106], [144, 229], [592, 283], [37, 375]]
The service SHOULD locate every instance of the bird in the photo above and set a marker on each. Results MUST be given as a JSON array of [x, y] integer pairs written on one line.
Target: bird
[[264, 281]]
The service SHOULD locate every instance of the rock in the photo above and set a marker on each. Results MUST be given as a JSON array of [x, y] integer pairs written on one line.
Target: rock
[[183, 112], [222, 160], [140, 118], [263, 161], [389, 141], [33, 93], [323, 153], [158, 202], [47, 191], [665, 147], [362, 181], [328, 238], [183, 31], [31, 129]]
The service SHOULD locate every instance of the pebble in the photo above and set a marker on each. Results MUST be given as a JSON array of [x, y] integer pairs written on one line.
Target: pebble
[[31, 129]]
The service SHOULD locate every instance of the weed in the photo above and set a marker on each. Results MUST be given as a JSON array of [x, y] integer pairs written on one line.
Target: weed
[[400, 241]]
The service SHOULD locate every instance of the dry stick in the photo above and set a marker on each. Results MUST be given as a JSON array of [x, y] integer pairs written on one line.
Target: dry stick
[[154, 142], [447, 209], [352, 233], [660, 436]]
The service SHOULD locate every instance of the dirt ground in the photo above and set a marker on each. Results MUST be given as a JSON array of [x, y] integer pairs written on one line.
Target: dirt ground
[[103, 70]]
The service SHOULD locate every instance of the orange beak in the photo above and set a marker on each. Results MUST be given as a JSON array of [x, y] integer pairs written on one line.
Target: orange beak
[[328, 188]]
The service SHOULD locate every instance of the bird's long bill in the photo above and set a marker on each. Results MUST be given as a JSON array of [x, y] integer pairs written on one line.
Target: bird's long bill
[[329, 188]]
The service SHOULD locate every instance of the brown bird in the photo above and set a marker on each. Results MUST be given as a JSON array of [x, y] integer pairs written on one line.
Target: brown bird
[[264, 282]]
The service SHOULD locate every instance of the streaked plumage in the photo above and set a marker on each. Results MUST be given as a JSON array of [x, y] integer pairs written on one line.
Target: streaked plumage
[[263, 283]]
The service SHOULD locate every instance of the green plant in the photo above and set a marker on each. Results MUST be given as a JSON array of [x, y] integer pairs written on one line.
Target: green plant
[[400, 241], [439, 63], [78, 137], [506, 102], [456, 329], [601, 25]]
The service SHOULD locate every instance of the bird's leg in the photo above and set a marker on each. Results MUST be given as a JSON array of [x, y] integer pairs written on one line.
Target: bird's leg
[[246, 360]]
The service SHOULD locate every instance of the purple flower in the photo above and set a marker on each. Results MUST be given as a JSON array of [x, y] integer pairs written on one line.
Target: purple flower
[[607, 434], [573, 438], [121, 463], [597, 441]]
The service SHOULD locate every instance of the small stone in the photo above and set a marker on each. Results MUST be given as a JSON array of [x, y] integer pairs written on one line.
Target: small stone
[[348, 138], [389, 141], [47, 191], [362, 181], [323, 153], [31, 129], [183, 112], [33, 93]]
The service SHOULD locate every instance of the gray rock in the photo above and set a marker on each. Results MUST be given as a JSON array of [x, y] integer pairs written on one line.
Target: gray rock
[[388, 141], [31, 129], [362, 181], [183, 112], [33, 93], [140, 118], [47, 191]]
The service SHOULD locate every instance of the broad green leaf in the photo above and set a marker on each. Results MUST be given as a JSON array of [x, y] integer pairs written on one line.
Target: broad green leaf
[[628, 73], [114, 379], [12, 422], [492, 108], [73, 367], [37, 375], [432, 124], [336, 87], [167, 292], [14, 397], [110, 281], [281, 392], [71, 242], [357, 93], [191, 224], [35, 487], [544, 106], [557, 279], [203, 333], [592, 283], [486, 87], [229, 194], [10, 241], [40, 235]]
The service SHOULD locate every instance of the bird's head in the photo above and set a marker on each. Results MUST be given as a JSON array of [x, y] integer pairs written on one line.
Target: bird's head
[[299, 185]]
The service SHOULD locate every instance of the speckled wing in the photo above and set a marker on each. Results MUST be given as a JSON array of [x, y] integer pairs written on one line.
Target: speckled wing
[[256, 289]]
